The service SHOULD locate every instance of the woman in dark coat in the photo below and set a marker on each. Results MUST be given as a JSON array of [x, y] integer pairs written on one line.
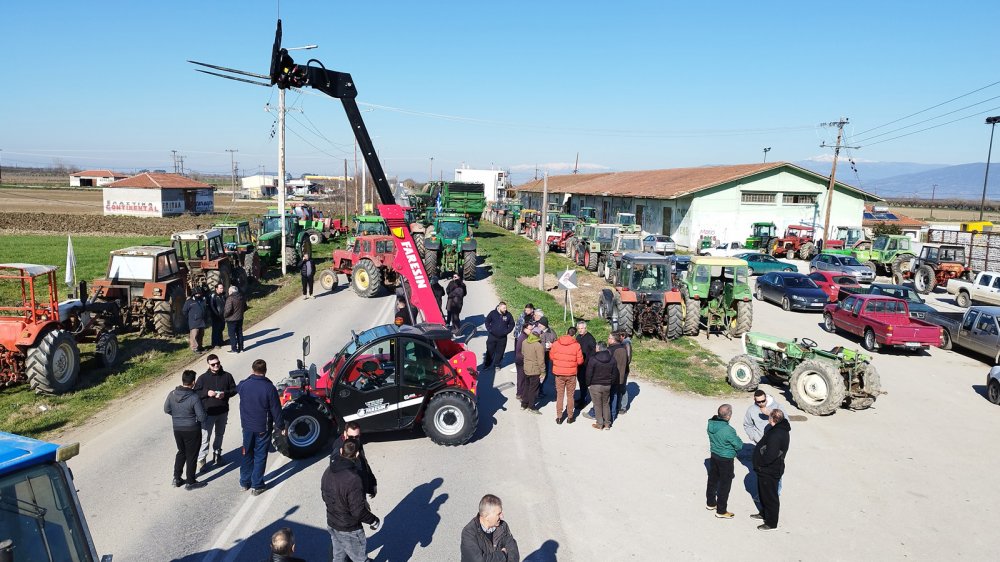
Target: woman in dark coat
[[456, 298]]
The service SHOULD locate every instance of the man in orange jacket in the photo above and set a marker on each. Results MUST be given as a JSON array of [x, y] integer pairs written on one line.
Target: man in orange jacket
[[566, 355]]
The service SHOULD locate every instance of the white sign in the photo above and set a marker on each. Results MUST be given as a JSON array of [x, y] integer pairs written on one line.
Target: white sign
[[568, 279], [132, 201]]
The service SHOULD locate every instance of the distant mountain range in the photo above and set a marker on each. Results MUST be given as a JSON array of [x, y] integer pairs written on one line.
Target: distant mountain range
[[909, 179]]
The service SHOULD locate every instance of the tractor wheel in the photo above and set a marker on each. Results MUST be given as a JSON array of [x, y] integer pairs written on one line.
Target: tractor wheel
[[240, 279], [963, 299], [871, 383], [806, 251], [107, 349], [790, 254], [675, 321], [871, 265], [993, 392], [744, 373], [897, 279], [945, 340], [469, 265], [418, 241], [817, 388], [291, 257], [252, 266], [692, 317], [602, 310], [309, 427], [622, 318], [744, 318], [431, 263], [901, 263], [924, 279], [611, 273], [367, 279], [450, 418], [328, 280], [828, 324], [601, 266], [216, 277], [53, 366], [869, 342], [315, 238], [591, 261], [571, 248], [168, 314]]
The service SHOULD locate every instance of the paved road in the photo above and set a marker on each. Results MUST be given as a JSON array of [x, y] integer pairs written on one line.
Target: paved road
[[899, 480]]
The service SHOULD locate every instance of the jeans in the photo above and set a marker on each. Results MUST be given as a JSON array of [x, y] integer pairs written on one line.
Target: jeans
[[218, 338], [564, 390], [187, 452], [720, 481], [495, 348], [218, 424], [235, 328], [307, 284], [255, 446], [601, 394], [348, 545]]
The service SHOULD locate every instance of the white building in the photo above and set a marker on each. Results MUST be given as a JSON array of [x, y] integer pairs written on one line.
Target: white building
[[153, 194], [260, 186], [495, 181], [717, 201], [94, 178]]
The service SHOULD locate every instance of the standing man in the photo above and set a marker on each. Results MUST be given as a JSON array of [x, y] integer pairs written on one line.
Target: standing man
[[519, 359], [217, 305], [534, 368], [215, 387], [188, 417], [197, 316], [547, 337], [438, 291], [758, 416], [346, 508], [566, 359], [724, 444], [260, 415], [601, 373], [769, 464], [456, 299], [619, 391], [589, 346], [283, 546], [487, 537], [307, 271], [233, 313], [499, 324], [352, 430], [527, 317]]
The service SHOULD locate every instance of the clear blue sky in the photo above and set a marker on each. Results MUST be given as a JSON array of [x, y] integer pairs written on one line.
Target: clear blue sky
[[630, 85]]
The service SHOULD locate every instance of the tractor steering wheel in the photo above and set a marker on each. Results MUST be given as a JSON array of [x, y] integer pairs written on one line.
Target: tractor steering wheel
[[807, 343]]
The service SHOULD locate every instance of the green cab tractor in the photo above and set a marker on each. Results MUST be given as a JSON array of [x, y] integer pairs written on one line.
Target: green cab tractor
[[588, 215], [820, 381], [513, 214], [238, 243], [626, 222], [887, 254], [367, 225], [762, 236], [596, 242], [717, 295], [269, 241], [450, 247]]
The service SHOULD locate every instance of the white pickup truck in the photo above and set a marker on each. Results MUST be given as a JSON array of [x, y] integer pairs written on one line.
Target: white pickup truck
[[984, 289], [724, 250]]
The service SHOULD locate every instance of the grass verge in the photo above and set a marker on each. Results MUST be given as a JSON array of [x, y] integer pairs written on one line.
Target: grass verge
[[681, 364]]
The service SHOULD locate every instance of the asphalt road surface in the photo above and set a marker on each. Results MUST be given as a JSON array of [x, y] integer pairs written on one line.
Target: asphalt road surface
[[908, 478]]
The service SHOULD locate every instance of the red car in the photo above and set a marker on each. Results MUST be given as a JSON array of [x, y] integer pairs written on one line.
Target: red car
[[881, 322], [831, 282]]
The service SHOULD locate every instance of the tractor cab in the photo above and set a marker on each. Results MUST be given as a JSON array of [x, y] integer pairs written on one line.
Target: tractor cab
[[236, 237], [627, 223], [588, 215], [717, 293], [761, 236]]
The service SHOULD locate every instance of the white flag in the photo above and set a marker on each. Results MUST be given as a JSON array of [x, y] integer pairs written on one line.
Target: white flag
[[70, 262]]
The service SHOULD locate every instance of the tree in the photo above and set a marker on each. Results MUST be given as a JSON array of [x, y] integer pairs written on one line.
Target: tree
[[882, 227]]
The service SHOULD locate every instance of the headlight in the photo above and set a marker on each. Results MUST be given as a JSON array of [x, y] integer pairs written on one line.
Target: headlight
[[798, 298]]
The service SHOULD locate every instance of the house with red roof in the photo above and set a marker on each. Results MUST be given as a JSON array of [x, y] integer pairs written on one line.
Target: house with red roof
[[94, 178], [153, 194]]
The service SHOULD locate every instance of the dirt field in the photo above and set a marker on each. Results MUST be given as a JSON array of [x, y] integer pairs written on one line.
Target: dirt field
[[945, 215], [91, 202]]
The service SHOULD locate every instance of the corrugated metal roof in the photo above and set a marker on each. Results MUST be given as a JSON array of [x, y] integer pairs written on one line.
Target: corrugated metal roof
[[154, 180]]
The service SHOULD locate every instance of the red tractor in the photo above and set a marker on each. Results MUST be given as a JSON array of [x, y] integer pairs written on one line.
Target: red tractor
[[798, 240], [367, 265]]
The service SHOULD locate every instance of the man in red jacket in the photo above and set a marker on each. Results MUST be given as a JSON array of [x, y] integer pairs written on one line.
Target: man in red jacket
[[566, 356]]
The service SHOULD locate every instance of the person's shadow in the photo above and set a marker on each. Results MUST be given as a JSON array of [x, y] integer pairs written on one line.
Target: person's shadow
[[545, 553], [745, 457], [410, 524]]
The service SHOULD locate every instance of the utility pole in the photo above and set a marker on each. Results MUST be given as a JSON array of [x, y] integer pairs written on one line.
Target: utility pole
[[576, 165], [833, 171], [345, 192], [232, 155], [992, 122], [357, 196], [364, 187], [174, 154], [430, 174], [543, 241], [933, 192], [766, 150], [180, 159], [281, 174]]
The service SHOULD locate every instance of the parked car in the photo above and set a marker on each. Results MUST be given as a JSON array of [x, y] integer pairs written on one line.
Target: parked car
[[975, 329], [659, 244], [791, 291], [993, 385], [833, 283], [763, 263], [985, 288], [918, 308], [881, 322], [723, 250], [846, 265]]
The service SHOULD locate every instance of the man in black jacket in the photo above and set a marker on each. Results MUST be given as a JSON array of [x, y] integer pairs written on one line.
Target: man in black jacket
[[346, 508], [215, 387], [236, 305], [528, 317], [308, 272], [283, 546], [217, 307], [456, 292], [196, 313], [487, 537], [769, 464], [188, 416], [352, 430], [499, 324], [588, 345], [602, 372]]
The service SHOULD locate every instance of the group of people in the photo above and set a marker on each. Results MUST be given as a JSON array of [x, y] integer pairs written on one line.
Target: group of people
[[199, 409], [215, 308], [767, 427]]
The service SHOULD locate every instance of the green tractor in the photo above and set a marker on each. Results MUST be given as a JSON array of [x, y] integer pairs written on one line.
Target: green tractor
[[627, 223], [239, 244], [762, 236], [595, 242], [269, 241], [588, 215], [513, 214], [368, 225], [450, 247], [888, 254], [717, 296], [820, 381]]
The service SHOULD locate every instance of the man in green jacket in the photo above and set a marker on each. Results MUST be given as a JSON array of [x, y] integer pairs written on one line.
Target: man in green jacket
[[724, 444]]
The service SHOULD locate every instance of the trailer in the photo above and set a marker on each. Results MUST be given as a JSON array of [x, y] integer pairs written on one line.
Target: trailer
[[982, 249]]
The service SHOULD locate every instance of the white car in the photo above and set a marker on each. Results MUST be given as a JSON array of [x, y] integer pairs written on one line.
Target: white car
[[993, 385], [659, 244], [724, 250]]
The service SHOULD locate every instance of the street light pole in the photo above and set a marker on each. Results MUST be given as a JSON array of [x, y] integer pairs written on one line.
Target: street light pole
[[766, 150], [992, 122]]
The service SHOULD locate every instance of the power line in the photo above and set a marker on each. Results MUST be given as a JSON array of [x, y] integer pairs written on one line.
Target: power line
[[935, 126], [927, 120], [929, 108]]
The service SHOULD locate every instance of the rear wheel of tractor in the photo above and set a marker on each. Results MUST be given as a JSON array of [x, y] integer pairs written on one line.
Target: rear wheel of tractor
[[692, 317], [418, 241], [601, 267], [431, 263], [744, 318], [675, 322], [252, 266], [315, 237], [240, 279], [168, 314], [107, 349], [945, 340], [828, 324], [924, 279], [901, 264], [469, 265], [897, 279], [450, 418], [625, 319], [993, 392], [571, 248], [869, 342], [309, 426], [53, 366], [218, 276], [963, 299], [870, 383], [817, 388], [328, 280], [367, 279], [611, 273], [744, 373], [291, 256], [806, 251], [591, 261]]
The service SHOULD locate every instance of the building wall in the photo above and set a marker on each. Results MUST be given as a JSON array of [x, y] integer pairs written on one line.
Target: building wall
[[95, 181], [134, 202], [495, 181]]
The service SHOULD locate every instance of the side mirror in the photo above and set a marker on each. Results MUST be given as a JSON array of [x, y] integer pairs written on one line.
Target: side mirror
[[305, 347]]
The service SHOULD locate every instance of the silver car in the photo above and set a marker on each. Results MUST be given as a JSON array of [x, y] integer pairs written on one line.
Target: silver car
[[844, 265], [659, 244]]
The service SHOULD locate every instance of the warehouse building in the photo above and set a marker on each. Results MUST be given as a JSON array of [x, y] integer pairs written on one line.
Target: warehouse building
[[721, 202], [495, 182], [153, 194], [94, 178]]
